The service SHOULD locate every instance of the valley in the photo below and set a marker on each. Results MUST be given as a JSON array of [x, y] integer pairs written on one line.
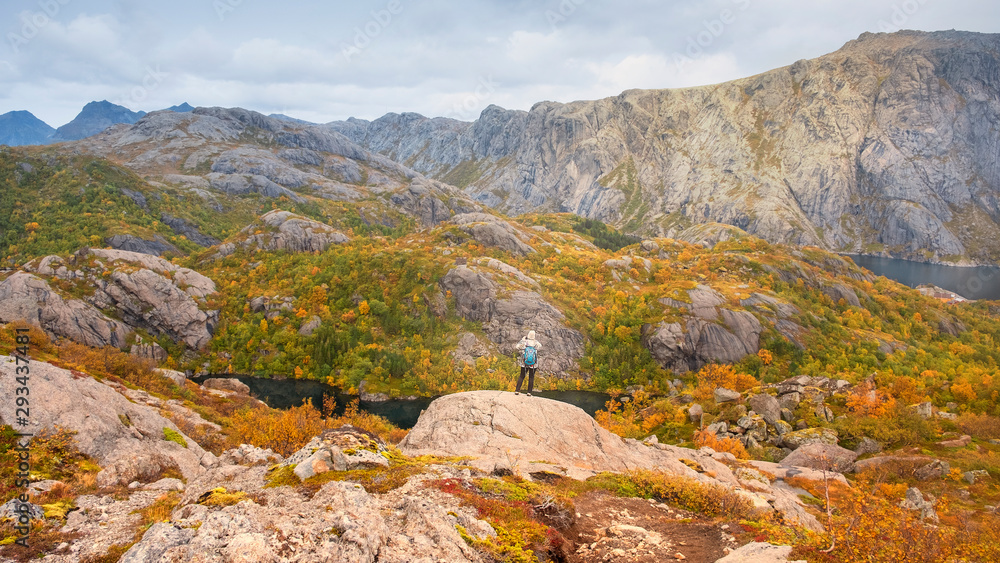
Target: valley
[[679, 253]]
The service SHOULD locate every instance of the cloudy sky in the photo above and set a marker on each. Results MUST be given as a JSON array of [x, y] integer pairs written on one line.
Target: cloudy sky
[[322, 60]]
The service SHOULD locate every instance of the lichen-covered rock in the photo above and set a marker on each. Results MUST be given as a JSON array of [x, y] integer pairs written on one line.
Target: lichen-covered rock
[[799, 438]]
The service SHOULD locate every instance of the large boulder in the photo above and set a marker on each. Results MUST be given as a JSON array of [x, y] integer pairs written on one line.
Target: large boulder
[[798, 438], [818, 455], [766, 406], [528, 434], [127, 439], [504, 433], [506, 320], [28, 297]]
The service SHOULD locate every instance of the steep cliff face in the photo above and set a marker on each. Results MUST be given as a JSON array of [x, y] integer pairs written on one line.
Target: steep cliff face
[[889, 145]]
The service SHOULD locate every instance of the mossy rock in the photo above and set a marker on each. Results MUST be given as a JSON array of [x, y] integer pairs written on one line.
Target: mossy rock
[[174, 436], [221, 497]]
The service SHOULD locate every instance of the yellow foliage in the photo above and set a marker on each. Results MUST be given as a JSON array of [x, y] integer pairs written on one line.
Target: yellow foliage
[[363, 308], [963, 392], [765, 356]]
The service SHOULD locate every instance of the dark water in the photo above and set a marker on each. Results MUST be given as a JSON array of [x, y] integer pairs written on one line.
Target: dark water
[[981, 282], [286, 393]]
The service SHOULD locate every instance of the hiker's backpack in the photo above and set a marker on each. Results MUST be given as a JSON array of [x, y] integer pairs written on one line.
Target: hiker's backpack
[[530, 356]]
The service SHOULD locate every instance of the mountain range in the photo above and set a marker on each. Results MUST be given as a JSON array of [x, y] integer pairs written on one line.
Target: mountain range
[[888, 146], [20, 127]]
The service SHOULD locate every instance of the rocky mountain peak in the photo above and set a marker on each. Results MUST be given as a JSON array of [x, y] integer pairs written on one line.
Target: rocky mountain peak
[[94, 118]]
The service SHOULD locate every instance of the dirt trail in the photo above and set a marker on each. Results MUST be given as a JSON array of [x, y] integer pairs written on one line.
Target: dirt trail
[[610, 528]]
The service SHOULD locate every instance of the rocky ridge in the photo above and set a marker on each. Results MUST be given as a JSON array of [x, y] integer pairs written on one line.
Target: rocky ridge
[[211, 151], [884, 146]]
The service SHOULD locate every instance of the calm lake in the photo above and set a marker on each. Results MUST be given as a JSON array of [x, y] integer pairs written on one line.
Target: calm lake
[[981, 282], [285, 393]]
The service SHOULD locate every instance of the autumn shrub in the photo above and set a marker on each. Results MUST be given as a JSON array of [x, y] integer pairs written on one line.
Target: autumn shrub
[[38, 340], [624, 418], [903, 427], [704, 438], [684, 492], [373, 423], [283, 431], [713, 376], [518, 533], [981, 426], [112, 362]]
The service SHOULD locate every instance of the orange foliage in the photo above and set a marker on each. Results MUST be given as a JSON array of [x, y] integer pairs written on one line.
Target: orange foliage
[[704, 438], [865, 400], [765, 356], [713, 376]]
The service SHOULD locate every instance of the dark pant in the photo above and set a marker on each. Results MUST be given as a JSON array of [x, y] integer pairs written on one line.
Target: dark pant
[[531, 379]]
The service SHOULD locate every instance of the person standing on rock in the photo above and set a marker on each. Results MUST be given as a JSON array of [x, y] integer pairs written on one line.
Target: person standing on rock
[[527, 358]]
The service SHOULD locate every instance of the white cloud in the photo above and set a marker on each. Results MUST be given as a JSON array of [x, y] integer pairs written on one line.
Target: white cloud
[[433, 56]]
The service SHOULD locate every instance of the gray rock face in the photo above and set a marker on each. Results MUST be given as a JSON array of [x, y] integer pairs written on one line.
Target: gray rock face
[[125, 438], [182, 227], [818, 455], [149, 299], [704, 341], [505, 321], [490, 230], [25, 296], [156, 247], [894, 107]]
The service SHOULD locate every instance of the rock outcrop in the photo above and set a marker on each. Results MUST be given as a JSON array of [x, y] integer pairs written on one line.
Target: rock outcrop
[[507, 433], [506, 320], [145, 292], [127, 439], [490, 230], [28, 297], [283, 230]]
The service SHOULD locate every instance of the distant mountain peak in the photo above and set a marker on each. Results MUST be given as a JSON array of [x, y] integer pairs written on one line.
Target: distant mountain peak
[[21, 127], [94, 118], [182, 108]]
